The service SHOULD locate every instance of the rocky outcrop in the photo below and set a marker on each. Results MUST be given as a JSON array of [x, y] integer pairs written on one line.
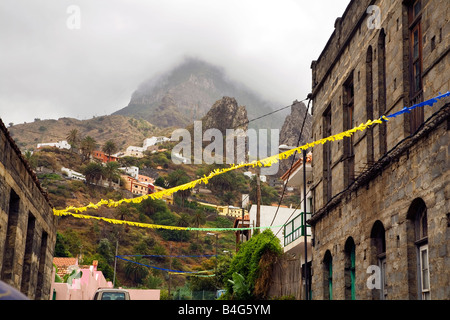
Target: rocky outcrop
[[291, 130], [226, 114]]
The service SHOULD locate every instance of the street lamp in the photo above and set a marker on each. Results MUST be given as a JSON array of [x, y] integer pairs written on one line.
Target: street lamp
[[304, 229]]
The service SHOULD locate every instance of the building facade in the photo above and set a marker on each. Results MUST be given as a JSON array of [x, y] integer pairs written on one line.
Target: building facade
[[27, 224], [381, 222]]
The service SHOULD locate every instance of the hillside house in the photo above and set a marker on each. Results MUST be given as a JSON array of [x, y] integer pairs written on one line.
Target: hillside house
[[72, 174], [103, 157], [63, 144]]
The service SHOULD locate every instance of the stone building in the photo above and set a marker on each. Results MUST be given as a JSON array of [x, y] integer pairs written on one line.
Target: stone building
[[381, 221], [27, 224]]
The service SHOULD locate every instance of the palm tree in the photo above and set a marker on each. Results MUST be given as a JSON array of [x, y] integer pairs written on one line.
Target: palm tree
[[88, 145], [136, 272], [31, 158], [176, 178], [198, 219], [73, 138], [93, 172], [109, 148], [183, 221], [111, 171]]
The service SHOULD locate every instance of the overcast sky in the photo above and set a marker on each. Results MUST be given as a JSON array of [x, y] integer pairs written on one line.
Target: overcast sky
[[84, 58]]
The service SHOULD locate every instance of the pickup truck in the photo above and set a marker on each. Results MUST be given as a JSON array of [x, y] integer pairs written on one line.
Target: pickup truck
[[111, 294]]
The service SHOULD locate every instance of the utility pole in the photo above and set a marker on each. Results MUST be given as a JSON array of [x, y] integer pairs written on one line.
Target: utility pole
[[170, 263], [304, 228], [217, 240], [115, 260], [241, 238], [258, 197]]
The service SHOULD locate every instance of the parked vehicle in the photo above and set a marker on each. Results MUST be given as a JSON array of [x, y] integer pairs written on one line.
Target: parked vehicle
[[111, 294]]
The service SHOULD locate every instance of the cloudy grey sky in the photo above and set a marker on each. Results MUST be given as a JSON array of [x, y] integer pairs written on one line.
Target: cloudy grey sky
[[49, 68]]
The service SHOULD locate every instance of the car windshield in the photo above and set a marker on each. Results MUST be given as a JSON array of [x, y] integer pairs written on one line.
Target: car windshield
[[113, 296]]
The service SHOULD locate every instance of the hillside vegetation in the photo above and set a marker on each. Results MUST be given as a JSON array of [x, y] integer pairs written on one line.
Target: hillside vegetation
[[132, 131], [97, 240]]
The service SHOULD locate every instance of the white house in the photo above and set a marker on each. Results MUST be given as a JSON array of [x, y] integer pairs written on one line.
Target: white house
[[178, 158], [153, 141], [72, 174], [272, 216], [63, 144], [133, 151], [132, 171], [250, 174]]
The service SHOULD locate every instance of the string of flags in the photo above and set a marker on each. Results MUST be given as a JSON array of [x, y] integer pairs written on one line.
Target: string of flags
[[170, 271], [269, 161]]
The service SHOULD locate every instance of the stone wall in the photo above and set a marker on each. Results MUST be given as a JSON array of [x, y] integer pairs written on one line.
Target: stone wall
[[393, 166], [27, 224]]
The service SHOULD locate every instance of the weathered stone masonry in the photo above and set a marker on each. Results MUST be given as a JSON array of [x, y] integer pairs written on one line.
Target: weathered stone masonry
[[27, 224], [382, 196]]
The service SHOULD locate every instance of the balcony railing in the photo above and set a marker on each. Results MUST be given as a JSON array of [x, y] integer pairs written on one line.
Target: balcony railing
[[294, 229]]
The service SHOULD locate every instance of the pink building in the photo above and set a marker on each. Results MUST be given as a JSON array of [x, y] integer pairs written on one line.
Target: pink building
[[84, 287]]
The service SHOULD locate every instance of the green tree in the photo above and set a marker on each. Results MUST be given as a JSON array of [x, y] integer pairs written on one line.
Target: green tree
[[31, 158], [109, 148], [136, 271], [254, 262], [111, 171], [198, 219], [87, 146], [176, 178], [61, 246], [73, 138], [93, 172]]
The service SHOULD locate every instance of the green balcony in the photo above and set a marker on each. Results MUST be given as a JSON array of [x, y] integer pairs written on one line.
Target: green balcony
[[294, 229]]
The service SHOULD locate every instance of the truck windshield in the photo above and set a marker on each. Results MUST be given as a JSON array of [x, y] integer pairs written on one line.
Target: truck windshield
[[113, 296]]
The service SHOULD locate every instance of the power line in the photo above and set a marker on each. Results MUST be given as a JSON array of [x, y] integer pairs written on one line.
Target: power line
[[293, 161], [267, 114]]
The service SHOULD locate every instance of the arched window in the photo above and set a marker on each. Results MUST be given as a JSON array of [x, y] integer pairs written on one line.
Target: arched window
[[382, 89], [378, 257], [369, 103], [349, 272], [415, 36], [417, 233], [328, 276]]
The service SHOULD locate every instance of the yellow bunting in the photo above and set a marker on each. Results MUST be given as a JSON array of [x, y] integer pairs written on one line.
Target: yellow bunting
[[269, 161]]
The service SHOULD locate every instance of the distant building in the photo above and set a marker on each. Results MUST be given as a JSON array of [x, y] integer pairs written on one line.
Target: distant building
[[141, 188], [132, 171], [275, 217], [63, 144], [148, 144], [225, 210], [154, 141], [85, 280], [132, 151], [103, 157], [250, 174], [27, 224], [72, 174]]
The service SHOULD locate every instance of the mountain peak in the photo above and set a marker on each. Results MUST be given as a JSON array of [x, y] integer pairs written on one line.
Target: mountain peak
[[186, 93]]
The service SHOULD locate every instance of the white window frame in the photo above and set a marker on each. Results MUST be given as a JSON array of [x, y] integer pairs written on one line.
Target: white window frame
[[426, 292], [382, 265]]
